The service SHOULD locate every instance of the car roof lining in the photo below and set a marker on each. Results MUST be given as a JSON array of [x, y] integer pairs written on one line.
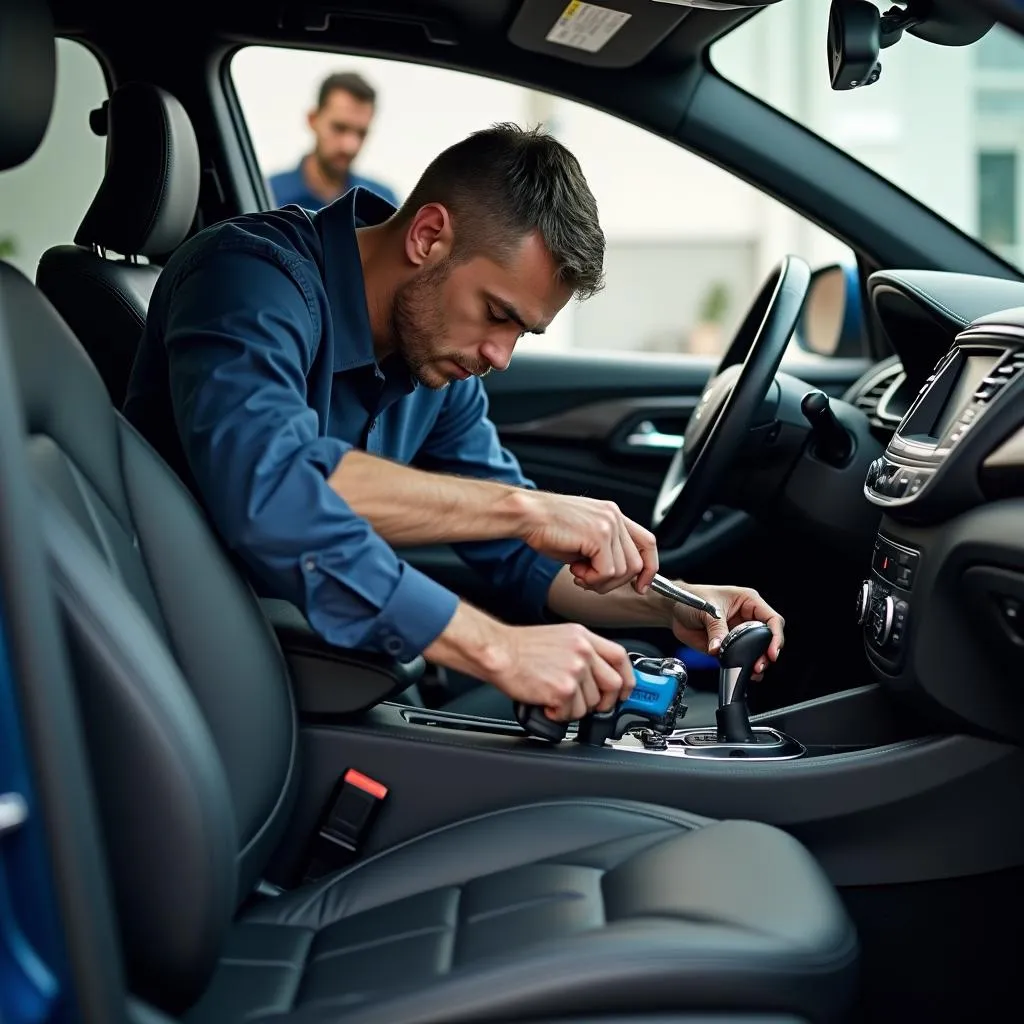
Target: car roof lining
[[477, 34]]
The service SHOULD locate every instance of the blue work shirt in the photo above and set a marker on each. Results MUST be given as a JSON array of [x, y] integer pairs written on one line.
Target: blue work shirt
[[256, 374], [290, 187]]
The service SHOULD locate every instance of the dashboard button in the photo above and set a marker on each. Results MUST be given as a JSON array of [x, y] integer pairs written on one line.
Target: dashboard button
[[903, 482]]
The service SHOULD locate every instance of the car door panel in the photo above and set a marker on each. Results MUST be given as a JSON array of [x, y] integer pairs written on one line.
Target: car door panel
[[606, 426]]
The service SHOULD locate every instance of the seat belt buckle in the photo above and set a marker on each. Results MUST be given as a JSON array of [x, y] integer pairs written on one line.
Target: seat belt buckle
[[351, 812]]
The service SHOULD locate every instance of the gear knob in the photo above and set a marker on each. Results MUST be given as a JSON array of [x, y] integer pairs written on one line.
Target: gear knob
[[741, 650]]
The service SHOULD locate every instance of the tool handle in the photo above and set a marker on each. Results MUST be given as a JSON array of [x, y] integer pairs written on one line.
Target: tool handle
[[533, 720]]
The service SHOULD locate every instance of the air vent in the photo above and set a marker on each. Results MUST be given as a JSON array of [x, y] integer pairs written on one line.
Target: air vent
[[869, 394]]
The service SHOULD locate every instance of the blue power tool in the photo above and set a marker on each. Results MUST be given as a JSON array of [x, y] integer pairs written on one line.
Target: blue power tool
[[656, 703]]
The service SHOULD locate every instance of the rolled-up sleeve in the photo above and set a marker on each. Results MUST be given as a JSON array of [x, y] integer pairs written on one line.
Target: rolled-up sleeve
[[241, 334], [465, 442]]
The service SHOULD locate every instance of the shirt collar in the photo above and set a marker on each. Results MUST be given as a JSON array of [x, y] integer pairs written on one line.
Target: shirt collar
[[343, 273]]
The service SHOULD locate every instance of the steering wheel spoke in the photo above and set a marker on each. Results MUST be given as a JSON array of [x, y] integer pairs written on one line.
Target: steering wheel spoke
[[718, 426]]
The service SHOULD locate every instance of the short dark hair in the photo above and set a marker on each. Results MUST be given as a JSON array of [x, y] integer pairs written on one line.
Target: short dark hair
[[346, 81], [505, 182]]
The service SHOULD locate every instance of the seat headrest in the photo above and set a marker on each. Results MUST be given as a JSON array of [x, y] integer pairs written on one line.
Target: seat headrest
[[150, 190], [28, 77]]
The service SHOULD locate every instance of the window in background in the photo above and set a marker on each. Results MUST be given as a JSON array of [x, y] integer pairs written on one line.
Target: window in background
[[997, 200], [42, 205], [688, 243], [934, 107]]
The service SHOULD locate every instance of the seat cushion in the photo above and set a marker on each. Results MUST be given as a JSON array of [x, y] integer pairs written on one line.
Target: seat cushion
[[556, 908]]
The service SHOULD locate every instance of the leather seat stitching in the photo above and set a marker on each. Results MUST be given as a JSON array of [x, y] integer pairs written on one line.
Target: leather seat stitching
[[624, 805], [384, 940]]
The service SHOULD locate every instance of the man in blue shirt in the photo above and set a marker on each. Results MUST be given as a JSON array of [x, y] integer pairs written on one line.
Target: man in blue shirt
[[340, 124], [316, 378]]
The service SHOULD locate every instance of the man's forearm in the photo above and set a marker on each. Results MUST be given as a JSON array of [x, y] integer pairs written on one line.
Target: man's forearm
[[621, 607], [472, 643], [409, 506]]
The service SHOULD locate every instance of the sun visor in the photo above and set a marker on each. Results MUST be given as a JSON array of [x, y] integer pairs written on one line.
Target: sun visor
[[613, 34]]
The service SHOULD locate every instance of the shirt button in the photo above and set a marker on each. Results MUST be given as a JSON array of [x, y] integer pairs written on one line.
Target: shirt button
[[393, 645], [309, 564]]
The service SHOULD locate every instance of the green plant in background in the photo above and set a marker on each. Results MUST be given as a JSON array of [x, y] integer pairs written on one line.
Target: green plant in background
[[8, 247], [715, 304]]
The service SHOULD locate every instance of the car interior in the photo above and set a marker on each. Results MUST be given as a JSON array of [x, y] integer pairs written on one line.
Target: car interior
[[210, 814]]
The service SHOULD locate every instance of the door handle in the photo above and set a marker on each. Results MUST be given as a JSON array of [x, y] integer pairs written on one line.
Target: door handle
[[646, 435]]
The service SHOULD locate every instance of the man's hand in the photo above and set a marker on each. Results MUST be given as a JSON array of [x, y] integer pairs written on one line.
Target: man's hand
[[566, 669], [737, 604], [602, 548]]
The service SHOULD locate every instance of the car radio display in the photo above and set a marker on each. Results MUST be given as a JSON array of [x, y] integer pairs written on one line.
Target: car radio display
[[971, 373]]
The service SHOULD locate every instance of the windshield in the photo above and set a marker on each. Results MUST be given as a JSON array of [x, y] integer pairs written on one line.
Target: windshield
[[945, 124]]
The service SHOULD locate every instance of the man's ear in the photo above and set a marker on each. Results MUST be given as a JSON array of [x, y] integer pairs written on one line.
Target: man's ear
[[429, 236], [311, 118]]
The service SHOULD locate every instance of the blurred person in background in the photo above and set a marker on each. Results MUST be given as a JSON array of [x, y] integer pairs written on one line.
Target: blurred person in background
[[340, 122]]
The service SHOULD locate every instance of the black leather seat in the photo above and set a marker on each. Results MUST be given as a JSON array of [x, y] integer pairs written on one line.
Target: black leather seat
[[144, 207], [555, 910]]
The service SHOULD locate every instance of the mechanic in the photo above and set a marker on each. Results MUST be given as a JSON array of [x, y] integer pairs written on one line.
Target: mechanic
[[294, 366], [340, 122]]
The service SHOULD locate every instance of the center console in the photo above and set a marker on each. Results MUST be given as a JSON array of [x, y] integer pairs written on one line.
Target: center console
[[940, 602]]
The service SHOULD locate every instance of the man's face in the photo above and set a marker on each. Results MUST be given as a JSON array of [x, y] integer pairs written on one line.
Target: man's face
[[340, 127], [456, 320]]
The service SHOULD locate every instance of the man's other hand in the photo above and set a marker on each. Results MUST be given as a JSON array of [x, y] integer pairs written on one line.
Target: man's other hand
[[737, 604], [565, 669], [602, 548]]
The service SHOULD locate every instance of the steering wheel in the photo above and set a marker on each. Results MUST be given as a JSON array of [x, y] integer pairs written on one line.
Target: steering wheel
[[716, 429]]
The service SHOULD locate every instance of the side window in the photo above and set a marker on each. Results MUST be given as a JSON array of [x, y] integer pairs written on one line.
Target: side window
[[41, 203], [688, 243]]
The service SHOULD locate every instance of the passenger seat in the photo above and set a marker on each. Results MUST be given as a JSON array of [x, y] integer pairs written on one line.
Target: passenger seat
[[565, 909], [144, 207]]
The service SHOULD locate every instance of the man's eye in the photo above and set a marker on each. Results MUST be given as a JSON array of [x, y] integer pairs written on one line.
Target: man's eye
[[495, 318]]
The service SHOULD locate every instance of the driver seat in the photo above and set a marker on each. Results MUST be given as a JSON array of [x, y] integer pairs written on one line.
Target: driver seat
[[553, 910]]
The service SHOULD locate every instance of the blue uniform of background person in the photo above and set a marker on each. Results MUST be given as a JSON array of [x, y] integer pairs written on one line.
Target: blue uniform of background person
[[290, 187], [256, 373]]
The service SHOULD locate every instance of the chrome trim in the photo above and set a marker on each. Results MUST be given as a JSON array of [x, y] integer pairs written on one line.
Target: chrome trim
[[728, 680], [886, 397], [776, 746], [646, 435], [596, 420]]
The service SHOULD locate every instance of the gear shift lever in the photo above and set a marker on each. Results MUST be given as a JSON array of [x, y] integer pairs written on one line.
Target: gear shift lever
[[741, 650]]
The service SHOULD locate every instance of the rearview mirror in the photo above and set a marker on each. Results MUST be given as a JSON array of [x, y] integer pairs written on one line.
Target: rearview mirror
[[831, 323]]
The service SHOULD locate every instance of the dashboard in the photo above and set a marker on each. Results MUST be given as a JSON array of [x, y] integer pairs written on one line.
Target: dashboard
[[942, 602]]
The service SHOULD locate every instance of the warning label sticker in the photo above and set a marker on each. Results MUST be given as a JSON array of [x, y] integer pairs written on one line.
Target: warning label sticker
[[586, 26]]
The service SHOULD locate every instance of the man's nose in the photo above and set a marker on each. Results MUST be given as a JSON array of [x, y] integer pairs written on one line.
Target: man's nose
[[350, 143], [498, 355]]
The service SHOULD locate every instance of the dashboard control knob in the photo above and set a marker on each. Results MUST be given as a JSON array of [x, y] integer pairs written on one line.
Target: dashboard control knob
[[882, 625], [874, 472], [864, 602]]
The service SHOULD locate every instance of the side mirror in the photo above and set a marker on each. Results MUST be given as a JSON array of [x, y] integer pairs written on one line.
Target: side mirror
[[832, 322]]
